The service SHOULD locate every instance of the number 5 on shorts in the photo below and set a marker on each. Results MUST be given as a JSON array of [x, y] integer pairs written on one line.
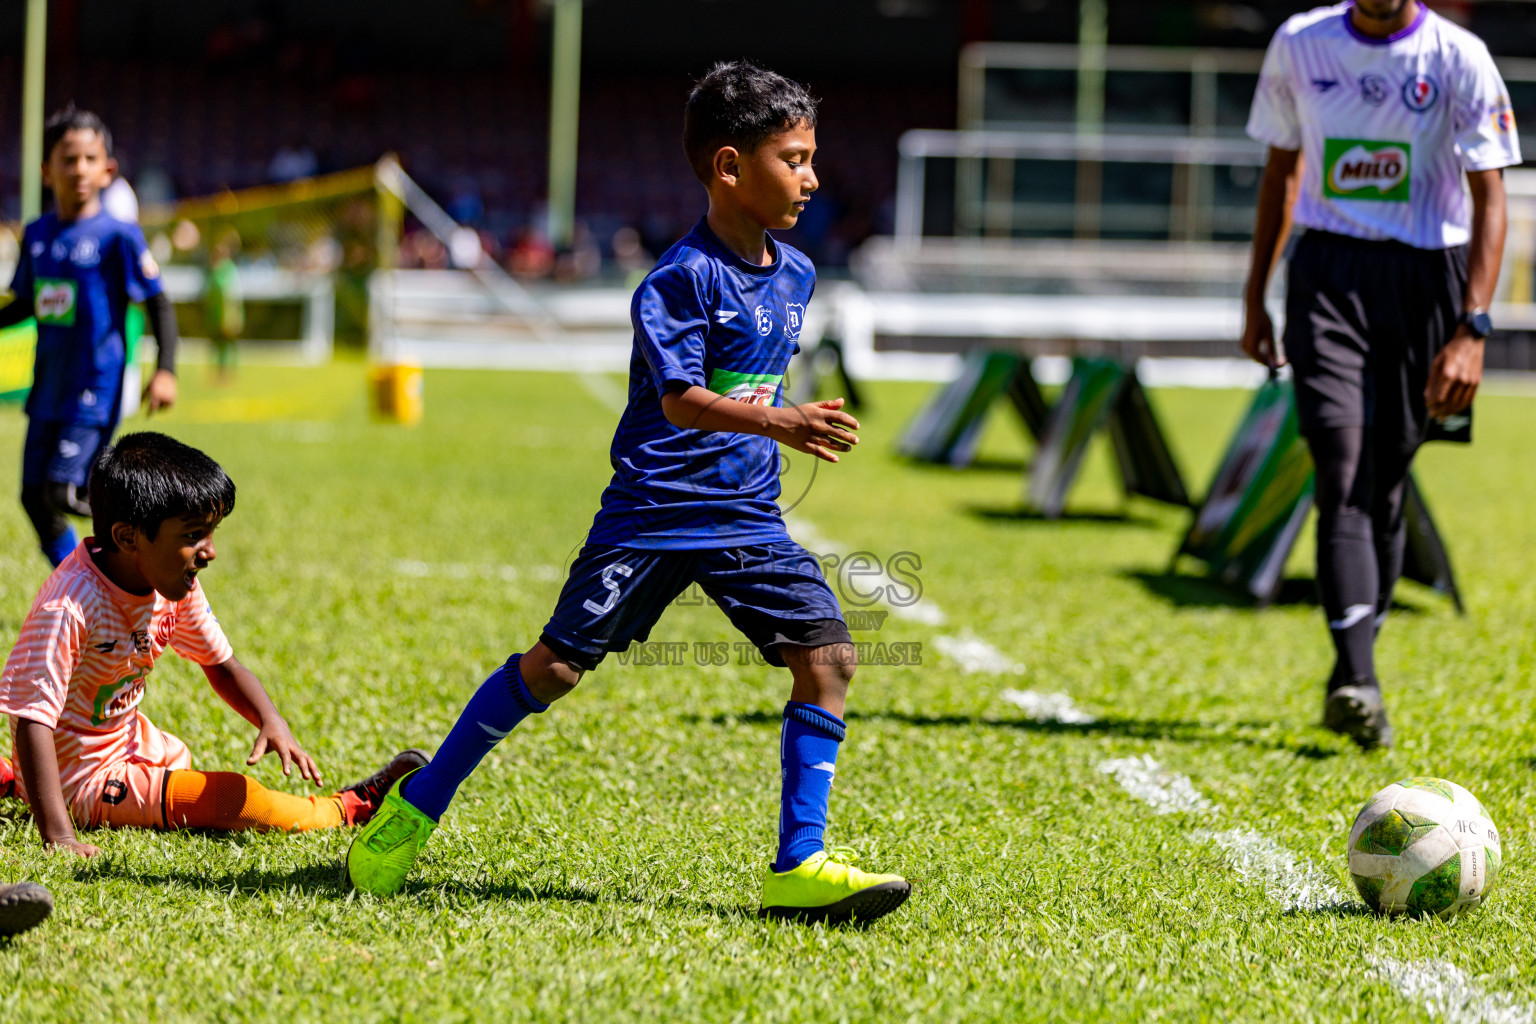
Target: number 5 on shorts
[[612, 586]]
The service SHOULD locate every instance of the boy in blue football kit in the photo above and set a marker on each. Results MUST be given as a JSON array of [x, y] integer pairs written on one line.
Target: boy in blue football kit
[[692, 500], [76, 274]]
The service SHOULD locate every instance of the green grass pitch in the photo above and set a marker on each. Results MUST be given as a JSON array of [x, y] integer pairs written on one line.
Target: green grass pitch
[[604, 863]]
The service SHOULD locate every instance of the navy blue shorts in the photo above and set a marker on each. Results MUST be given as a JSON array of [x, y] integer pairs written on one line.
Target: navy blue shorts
[[774, 594], [61, 453]]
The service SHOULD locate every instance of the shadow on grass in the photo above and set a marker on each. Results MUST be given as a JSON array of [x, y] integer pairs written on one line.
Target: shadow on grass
[[1020, 514], [1195, 591], [1173, 730], [985, 464], [326, 881]]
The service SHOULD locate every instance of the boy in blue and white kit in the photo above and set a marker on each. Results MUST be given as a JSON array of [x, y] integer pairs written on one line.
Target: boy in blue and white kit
[[696, 464], [77, 272]]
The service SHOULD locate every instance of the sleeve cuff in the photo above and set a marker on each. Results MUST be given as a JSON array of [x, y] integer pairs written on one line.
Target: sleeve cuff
[[33, 713], [679, 382], [1274, 139], [1491, 162]]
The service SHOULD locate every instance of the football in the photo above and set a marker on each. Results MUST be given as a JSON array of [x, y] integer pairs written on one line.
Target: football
[[1424, 846]]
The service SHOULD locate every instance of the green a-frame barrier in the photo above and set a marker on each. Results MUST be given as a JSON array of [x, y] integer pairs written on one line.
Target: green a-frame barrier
[[1259, 500], [947, 430], [1102, 394]]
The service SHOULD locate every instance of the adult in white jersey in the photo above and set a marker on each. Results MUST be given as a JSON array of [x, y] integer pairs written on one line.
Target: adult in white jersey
[[1387, 127]]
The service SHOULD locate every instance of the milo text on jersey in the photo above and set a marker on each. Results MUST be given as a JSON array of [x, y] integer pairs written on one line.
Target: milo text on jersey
[[80, 277], [704, 317], [1386, 126]]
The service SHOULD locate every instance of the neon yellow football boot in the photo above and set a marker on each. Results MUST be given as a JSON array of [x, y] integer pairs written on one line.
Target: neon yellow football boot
[[382, 854], [822, 889]]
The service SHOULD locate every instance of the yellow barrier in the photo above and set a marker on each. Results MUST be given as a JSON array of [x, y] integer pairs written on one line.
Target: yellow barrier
[[396, 392], [18, 350]]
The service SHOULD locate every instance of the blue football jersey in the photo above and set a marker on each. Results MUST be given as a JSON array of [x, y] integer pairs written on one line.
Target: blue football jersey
[[80, 277], [704, 317]]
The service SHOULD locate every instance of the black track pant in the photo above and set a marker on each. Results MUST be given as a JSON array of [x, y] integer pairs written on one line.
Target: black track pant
[[1364, 322]]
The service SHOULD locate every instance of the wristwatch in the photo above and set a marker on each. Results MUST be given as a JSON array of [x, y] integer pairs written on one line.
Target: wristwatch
[[1480, 322]]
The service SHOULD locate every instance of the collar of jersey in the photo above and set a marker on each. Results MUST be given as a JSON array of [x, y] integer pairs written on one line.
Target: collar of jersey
[[118, 593], [1413, 26], [724, 252]]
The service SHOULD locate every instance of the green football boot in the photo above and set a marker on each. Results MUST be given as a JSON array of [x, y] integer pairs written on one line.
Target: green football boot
[[822, 889], [382, 854]]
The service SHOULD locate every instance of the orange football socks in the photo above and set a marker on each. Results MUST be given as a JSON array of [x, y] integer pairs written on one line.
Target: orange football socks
[[234, 802]]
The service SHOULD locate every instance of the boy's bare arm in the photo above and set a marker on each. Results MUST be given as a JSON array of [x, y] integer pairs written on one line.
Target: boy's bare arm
[[241, 690], [816, 428], [40, 767]]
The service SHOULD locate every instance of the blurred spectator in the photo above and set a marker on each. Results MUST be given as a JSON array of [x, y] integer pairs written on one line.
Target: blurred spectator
[[420, 250], [292, 161], [223, 304], [464, 248], [532, 255], [582, 260], [465, 205], [630, 257]]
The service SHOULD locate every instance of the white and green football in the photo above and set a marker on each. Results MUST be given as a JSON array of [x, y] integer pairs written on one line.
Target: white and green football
[[1424, 846]]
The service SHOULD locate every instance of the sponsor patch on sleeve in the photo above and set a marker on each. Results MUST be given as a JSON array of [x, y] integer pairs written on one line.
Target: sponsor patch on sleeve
[[1362, 169], [752, 388]]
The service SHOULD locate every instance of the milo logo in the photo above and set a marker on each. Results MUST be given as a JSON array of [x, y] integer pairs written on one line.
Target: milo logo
[[53, 301], [751, 388], [1359, 169]]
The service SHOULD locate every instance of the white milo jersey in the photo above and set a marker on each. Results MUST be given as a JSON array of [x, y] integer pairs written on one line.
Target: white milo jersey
[[1386, 126]]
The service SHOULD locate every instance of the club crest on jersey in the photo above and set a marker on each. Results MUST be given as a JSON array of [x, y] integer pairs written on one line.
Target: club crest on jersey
[[87, 252], [1420, 93], [1374, 89], [794, 319], [764, 320]]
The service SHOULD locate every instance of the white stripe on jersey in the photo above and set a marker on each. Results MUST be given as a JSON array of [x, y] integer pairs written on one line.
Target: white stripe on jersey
[[1386, 126]]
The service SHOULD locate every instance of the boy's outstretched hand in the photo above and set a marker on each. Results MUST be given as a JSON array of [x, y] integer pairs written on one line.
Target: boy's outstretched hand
[[817, 428], [274, 738], [160, 392], [74, 846]]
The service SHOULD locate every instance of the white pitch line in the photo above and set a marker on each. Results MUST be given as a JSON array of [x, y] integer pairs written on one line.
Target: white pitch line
[[1445, 991], [975, 655], [805, 533], [1048, 707], [605, 389], [922, 610], [1293, 882], [1441, 988], [1164, 791]]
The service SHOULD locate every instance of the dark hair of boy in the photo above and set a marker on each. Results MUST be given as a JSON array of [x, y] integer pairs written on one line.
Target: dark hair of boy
[[740, 105], [147, 478], [73, 119]]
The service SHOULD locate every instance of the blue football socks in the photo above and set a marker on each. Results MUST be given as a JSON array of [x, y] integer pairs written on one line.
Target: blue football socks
[[808, 761], [59, 548], [501, 702]]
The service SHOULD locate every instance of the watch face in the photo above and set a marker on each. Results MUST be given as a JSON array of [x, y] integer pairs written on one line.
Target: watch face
[[1481, 324]]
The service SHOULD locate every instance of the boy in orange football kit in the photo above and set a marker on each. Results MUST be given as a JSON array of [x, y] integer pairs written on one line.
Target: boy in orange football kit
[[83, 755]]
